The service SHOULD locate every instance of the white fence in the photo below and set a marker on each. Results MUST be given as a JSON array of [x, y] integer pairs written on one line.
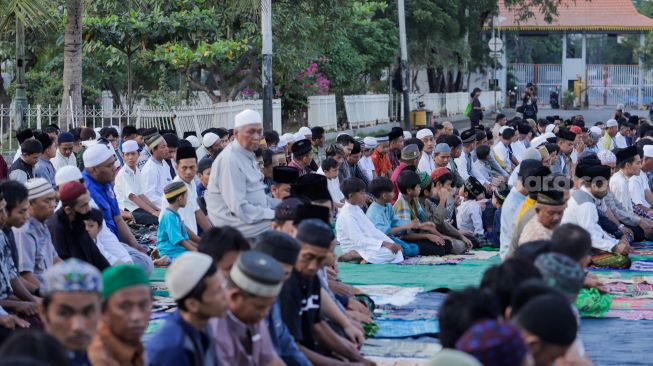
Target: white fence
[[322, 112], [615, 84], [546, 77], [365, 110]]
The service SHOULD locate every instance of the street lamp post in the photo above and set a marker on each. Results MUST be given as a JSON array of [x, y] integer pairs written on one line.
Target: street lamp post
[[405, 87]]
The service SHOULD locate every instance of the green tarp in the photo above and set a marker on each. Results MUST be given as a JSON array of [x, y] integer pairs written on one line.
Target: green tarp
[[467, 273]]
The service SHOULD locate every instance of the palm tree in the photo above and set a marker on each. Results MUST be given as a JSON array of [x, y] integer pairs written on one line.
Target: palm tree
[[72, 64]]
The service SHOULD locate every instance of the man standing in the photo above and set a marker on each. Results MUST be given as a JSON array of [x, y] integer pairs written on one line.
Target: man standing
[[69, 235], [44, 168], [71, 307], [608, 141], [36, 252], [155, 173], [186, 339], [64, 155], [126, 308], [382, 165], [191, 214], [129, 189], [236, 193], [302, 157], [23, 169], [242, 336], [99, 176], [426, 163]]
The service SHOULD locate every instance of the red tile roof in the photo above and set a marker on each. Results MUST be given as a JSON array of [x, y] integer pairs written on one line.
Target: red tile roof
[[581, 15]]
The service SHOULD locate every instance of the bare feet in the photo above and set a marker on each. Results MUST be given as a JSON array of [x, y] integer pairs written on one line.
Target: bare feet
[[351, 256]]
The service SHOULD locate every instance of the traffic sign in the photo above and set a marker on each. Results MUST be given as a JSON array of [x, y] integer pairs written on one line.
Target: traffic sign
[[495, 44], [496, 54]]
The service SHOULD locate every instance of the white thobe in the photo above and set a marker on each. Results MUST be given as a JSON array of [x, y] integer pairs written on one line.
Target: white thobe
[[426, 163], [502, 156], [187, 213], [236, 193], [355, 231], [127, 182], [155, 175], [468, 217], [518, 149], [60, 161], [620, 141], [638, 185], [581, 210], [462, 162], [366, 165], [620, 190]]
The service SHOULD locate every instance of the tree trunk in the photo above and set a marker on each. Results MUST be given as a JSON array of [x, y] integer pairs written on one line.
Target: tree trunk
[[430, 74], [130, 90], [72, 69]]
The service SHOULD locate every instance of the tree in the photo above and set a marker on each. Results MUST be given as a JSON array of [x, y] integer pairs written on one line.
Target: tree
[[72, 65]]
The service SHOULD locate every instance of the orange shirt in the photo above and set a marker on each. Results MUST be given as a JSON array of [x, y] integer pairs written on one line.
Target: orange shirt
[[382, 165]]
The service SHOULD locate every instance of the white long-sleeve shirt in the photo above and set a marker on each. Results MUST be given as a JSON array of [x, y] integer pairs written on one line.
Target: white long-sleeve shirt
[[518, 149], [621, 191], [60, 161], [509, 212], [366, 165], [502, 156], [581, 210], [461, 162], [236, 193], [637, 186], [355, 231], [154, 177], [426, 163]]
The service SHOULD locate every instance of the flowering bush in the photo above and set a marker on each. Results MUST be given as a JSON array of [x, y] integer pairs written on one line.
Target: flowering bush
[[307, 82]]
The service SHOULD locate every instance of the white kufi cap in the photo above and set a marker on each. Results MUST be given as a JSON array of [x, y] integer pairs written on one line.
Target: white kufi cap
[[185, 273], [247, 117], [97, 154]]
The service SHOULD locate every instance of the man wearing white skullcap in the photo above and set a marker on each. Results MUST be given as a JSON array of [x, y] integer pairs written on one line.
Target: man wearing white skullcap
[[365, 164], [426, 163], [155, 173], [129, 188], [236, 193]]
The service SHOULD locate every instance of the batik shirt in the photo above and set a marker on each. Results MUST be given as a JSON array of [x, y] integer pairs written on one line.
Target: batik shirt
[[8, 269]]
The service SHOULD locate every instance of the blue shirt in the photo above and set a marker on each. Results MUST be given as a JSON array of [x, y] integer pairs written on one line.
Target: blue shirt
[[283, 342], [171, 231], [496, 227], [45, 169], [200, 190], [105, 198], [177, 343], [383, 217]]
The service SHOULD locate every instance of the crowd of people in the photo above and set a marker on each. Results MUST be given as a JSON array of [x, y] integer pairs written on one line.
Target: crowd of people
[[247, 222]]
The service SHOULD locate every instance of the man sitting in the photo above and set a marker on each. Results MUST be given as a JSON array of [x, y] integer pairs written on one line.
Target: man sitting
[[242, 337], [355, 231]]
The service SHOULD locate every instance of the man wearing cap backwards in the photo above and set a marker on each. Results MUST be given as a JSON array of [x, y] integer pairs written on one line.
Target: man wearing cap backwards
[[302, 157], [129, 189], [155, 173], [33, 240], [300, 299], [465, 161], [607, 142], [186, 339], [99, 176], [365, 163], [126, 308], [236, 194], [284, 249], [44, 168], [64, 155], [242, 337], [71, 307], [426, 163], [23, 168], [191, 214]]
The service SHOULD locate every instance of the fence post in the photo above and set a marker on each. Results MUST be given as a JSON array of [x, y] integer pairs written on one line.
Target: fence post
[[138, 117], [38, 116]]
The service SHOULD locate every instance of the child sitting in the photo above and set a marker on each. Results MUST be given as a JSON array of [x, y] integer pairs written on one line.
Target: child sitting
[[435, 200], [407, 209], [382, 215], [203, 175], [497, 201], [329, 168], [358, 237], [172, 237], [469, 216]]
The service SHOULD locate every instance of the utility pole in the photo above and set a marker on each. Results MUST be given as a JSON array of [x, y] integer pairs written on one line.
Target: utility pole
[[266, 33], [405, 87]]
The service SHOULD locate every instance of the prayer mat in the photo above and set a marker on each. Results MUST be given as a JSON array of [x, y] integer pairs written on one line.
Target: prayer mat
[[625, 303], [623, 289], [393, 361], [396, 328], [405, 314], [467, 273], [646, 266], [431, 260], [616, 342], [629, 314], [423, 348]]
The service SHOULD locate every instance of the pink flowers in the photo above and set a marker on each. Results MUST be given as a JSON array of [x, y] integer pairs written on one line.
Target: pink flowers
[[312, 81]]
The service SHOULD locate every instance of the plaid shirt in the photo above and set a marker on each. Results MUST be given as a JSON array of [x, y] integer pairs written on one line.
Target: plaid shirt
[[406, 211]]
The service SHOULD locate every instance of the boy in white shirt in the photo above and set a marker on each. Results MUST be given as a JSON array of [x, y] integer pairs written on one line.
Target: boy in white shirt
[[469, 215]]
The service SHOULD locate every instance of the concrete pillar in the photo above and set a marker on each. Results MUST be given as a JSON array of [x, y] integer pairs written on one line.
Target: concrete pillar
[[563, 86], [640, 76], [583, 75], [503, 72]]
